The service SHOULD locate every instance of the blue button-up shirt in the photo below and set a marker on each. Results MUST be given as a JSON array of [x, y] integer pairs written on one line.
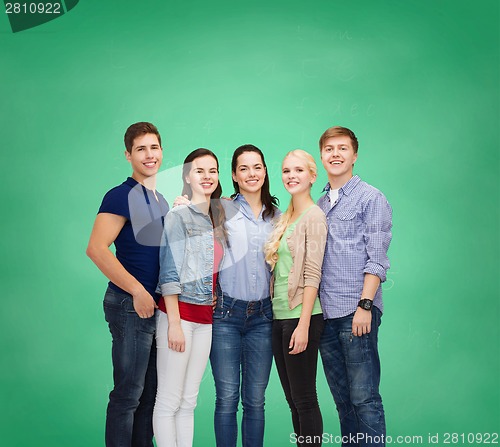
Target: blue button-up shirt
[[359, 234], [244, 274]]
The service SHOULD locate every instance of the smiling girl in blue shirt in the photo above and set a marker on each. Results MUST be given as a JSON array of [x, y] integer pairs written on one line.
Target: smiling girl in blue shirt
[[241, 355]]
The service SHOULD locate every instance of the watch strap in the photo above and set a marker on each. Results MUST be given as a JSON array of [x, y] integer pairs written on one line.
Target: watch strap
[[365, 304]]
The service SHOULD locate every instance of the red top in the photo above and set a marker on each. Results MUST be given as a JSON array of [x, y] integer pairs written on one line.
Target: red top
[[194, 312]]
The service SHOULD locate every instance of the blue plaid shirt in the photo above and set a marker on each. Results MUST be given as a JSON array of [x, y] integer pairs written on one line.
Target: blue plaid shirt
[[359, 234]]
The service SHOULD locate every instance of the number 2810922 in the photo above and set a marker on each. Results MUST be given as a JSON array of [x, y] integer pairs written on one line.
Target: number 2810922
[[32, 8]]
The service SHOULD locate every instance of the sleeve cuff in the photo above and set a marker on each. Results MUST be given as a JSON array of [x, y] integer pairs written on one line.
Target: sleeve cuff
[[377, 270], [311, 282], [171, 288]]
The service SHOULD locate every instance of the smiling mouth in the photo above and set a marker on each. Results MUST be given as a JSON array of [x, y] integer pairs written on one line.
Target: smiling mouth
[[150, 164]]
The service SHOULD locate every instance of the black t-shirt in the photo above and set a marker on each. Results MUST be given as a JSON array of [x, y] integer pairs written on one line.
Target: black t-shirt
[[138, 243]]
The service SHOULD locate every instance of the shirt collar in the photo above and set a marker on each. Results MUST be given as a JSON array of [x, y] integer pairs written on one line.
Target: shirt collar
[[347, 187], [245, 206], [195, 209], [131, 181], [239, 197]]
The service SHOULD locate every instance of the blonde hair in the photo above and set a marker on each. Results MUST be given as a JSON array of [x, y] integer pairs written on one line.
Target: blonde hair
[[272, 245]]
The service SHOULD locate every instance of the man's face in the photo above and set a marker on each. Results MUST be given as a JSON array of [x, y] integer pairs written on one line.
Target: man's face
[[338, 157], [145, 157]]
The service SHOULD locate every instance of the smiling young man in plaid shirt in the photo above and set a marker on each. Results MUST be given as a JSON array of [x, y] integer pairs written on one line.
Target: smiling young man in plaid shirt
[[359, 222]]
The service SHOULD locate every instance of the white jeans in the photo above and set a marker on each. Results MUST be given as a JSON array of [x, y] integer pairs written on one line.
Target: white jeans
[[179, 378]]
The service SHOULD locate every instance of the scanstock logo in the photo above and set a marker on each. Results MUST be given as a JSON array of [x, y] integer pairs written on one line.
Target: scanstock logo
[[24, 15]]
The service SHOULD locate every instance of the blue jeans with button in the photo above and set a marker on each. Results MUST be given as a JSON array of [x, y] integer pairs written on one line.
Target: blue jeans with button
[[131, 402], [352, 369], [241, 359]]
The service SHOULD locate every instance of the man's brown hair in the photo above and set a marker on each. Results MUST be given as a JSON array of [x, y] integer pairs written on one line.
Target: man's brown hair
[[137, 130], [338, 131]]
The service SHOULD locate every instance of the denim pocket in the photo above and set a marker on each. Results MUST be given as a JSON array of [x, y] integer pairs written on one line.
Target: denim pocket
[[355, 348], [220, 313], [113, 299], [194, 238], [223, 309], [118, 301], [115, 306], [267, 313]]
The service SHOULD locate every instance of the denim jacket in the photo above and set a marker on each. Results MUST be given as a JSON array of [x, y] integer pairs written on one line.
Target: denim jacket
[[187, 257]]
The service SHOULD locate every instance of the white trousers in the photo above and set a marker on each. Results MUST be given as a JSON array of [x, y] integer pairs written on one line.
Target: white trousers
[[179, 378]]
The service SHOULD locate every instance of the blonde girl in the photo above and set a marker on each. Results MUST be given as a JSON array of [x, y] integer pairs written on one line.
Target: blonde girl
[[295, 253]]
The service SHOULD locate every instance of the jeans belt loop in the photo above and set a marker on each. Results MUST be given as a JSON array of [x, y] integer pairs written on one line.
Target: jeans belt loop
[[231, 301]]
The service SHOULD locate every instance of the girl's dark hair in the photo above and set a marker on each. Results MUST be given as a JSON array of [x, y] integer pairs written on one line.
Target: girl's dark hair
[[216, 211], [268, 200]]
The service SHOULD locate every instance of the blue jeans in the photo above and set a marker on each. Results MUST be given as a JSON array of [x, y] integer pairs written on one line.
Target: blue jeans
[[130, 408], [241, 359], [352, 369]]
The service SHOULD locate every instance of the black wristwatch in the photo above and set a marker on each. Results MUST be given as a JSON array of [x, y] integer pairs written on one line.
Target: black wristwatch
[[365, 304]]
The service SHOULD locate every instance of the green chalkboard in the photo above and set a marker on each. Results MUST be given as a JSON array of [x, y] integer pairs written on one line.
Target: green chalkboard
[[418, 81]]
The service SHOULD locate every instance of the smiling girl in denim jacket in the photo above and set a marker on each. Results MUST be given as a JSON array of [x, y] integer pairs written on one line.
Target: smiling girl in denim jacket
[[195, 237]]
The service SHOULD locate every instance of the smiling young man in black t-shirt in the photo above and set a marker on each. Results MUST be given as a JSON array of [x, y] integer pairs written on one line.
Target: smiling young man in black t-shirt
[[131, 218]]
